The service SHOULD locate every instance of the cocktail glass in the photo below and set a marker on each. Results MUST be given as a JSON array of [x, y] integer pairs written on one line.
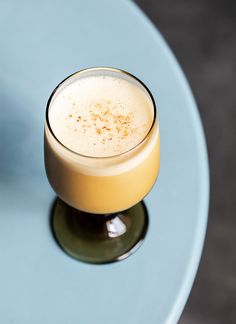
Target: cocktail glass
[[99, 216]]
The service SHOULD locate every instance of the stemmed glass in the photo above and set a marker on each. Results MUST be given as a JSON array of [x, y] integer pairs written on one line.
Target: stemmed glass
[[99, 215]]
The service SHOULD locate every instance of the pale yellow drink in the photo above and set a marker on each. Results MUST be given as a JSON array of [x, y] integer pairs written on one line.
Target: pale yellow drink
[[102, 144]]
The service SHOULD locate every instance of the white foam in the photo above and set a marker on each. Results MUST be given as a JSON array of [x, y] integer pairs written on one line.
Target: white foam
[[101, 116]]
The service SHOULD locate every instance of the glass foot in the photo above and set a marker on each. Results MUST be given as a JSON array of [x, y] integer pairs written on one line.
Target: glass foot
[[99, 238]]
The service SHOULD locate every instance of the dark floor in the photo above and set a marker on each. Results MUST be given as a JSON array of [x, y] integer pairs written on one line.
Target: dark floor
[[202, 34]]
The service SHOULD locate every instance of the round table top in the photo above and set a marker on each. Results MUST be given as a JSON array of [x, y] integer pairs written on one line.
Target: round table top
[[41, 43]]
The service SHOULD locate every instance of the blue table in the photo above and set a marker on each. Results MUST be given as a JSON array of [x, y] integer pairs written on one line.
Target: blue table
[[41, 43]]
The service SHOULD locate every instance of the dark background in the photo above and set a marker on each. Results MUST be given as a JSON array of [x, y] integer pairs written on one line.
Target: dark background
[[202, 34]]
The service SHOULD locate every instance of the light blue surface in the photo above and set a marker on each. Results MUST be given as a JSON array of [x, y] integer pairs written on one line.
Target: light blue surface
[[41, 42]]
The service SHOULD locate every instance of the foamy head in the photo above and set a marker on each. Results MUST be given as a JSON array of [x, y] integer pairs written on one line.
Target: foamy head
[[101, 115]]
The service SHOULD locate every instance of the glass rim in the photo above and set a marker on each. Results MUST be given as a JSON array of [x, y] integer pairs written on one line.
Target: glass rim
[[97, 69]]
